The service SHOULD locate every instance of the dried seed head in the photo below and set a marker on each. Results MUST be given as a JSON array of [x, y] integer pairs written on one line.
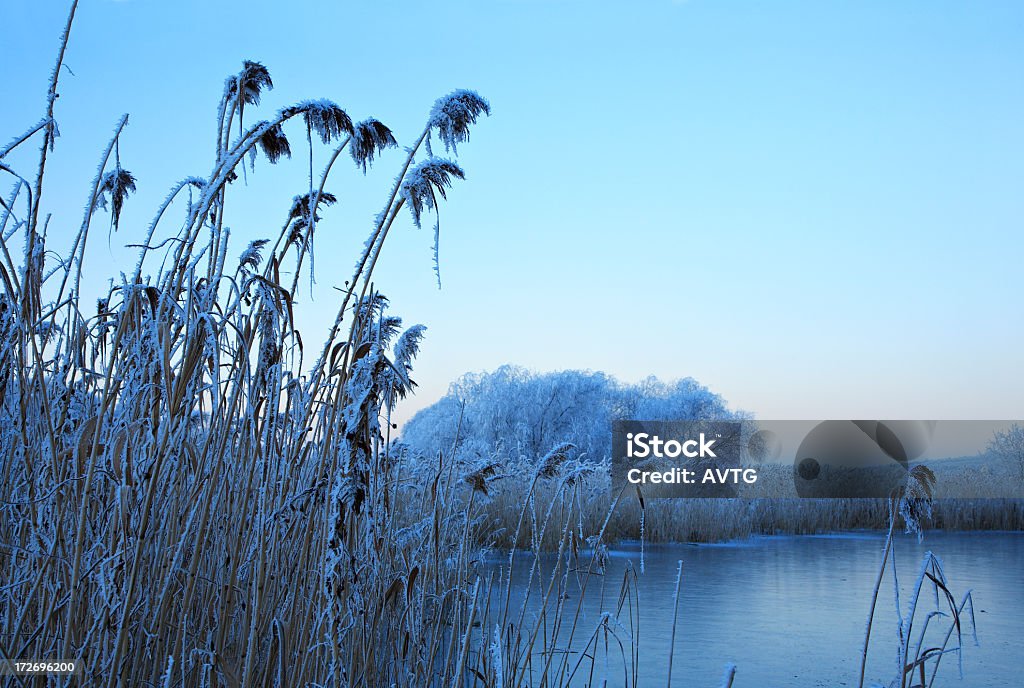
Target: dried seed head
[[117, 183], [553, 460], [327, 119], [249, 83], [915, 500], [275, 144], [479, 478], [422, 184], [370, 137], [452, 115], [251, 257]]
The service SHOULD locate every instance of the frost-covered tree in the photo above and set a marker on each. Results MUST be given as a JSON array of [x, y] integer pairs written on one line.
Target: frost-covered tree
[[1008, 445], [515, 414]]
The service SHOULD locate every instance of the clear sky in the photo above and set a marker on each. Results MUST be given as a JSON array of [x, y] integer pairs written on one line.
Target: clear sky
[[815, 208]]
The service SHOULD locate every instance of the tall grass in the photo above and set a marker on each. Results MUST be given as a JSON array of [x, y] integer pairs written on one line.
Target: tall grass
[[189, 498], [913, 505], [184, 500], [721, 519]]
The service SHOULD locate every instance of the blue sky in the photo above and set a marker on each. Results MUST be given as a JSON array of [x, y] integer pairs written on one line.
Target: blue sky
[[813, 208]]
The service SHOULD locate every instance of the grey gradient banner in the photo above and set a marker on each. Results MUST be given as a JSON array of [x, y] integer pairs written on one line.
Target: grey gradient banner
[[970, 459]]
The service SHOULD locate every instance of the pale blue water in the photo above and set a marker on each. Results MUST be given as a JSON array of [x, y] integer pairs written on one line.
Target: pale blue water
[[791, 611]]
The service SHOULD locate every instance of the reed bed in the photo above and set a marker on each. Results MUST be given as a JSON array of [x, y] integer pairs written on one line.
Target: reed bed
[[722, 519], [189, 496]]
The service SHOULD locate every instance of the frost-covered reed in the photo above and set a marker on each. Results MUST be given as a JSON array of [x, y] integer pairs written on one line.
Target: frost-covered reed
[[917, 664], [190, 496], [718, 520]]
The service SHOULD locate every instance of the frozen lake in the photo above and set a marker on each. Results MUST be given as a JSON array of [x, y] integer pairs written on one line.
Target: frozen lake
[[789, 611]]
